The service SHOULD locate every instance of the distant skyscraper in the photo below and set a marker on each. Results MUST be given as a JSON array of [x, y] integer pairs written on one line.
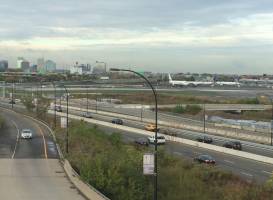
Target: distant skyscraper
[[22, 64], [19, 61], [25, 66], [99, 68], [4, 65], [41, 65], [50, 66]]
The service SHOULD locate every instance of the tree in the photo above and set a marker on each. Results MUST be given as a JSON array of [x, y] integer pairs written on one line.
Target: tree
[[28, 103]]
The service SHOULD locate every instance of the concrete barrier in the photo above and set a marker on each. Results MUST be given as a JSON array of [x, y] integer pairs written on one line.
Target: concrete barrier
[[87, 190], [221, 132], [242, 154]]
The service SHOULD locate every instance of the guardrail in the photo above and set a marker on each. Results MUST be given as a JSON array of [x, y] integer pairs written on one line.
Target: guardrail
[[242, 154], [213, 130]]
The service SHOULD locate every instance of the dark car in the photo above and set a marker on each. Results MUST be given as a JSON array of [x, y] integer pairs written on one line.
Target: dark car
[[87, 115], [205, 159], [11, 102], [142, 141], [58, 108], [117, 121], [205, 139], [233, 145]]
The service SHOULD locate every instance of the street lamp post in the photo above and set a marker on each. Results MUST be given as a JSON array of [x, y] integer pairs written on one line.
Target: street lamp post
[[155, 145], [12, 93], [204, 118], [86, 100], [271, 127], [66, 118], [55, 116]]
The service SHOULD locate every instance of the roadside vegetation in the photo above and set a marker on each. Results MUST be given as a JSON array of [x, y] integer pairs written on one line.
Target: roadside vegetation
[[115, 169]]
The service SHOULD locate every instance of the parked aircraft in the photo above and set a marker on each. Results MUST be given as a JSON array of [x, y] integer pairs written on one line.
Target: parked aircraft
[[188, 83], [202, 83]]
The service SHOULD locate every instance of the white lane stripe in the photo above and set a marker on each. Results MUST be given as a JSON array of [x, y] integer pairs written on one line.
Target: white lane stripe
[[17, 139], [244, 173], [267, 172], [228, 161]]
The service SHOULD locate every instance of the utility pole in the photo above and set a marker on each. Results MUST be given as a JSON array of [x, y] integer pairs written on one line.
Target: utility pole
[[204, 118]]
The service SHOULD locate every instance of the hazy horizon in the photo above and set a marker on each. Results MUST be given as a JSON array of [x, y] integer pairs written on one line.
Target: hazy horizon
[[175, 36]]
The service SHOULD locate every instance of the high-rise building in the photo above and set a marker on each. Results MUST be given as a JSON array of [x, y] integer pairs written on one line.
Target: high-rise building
[[50, 66], [81, 69], [41, 65], [99, 68], [22, 64], [25, 66], [4, 65], [19, 61]]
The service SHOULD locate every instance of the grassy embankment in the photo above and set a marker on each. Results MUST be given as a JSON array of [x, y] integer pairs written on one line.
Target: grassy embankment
[[115, 168]]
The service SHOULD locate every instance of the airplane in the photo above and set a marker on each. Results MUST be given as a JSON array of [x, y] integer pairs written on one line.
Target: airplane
[[188, 83], [203, 83], [227, 83]]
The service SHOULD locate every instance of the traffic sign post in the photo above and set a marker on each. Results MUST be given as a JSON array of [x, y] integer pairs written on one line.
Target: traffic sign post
[[148, 164]]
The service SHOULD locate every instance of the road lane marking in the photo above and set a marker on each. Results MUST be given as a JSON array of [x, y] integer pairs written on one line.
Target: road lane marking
[[267, 172], [244, 173], [43, 136], [17, 139], [228, 161]]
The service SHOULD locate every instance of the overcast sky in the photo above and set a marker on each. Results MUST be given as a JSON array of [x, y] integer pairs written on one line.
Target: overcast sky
[[217, 36]]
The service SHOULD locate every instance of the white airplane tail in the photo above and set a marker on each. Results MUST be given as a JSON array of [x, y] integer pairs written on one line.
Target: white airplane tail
[[170, 78]]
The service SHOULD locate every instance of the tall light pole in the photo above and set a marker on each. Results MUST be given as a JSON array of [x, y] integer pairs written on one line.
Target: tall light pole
[[155, 145], [66, 118], [204, 118], [55, 116], [12, 93], [86, 100], [271, 122]]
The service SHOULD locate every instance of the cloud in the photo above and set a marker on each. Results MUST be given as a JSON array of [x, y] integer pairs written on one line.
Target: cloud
[[213, 28]]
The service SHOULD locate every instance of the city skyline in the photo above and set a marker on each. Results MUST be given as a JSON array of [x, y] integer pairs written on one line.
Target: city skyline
[[175, 36]]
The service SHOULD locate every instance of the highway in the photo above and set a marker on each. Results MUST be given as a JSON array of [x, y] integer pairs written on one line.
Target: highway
[[30, 169], [251, 147], [248, 169]]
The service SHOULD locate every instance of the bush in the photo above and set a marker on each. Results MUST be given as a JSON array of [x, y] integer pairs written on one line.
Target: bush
[[115, 169], [188, 109]]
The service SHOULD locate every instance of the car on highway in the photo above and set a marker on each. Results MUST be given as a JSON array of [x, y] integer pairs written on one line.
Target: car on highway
[[87, 114], [204, 139], [117, 121], [233, 145], [150, 127], [207, 159], [26, 134], [160, 139], [58, 108], [141, 141], [11, 102]]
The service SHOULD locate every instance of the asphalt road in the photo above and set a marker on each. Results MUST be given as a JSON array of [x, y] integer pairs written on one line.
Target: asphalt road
[[248, 169], [30, 169]]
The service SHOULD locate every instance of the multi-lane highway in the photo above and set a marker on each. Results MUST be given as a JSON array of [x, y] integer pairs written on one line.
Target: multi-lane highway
[[248, 169], [30, 169]]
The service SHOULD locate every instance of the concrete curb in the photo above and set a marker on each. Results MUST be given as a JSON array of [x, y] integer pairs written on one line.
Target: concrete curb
[[242, 154]]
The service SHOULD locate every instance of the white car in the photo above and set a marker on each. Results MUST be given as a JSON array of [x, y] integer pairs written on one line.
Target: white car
[[26, 134], [160, 139]]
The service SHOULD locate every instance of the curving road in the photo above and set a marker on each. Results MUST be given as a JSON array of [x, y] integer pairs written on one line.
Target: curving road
[[30, 169]]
